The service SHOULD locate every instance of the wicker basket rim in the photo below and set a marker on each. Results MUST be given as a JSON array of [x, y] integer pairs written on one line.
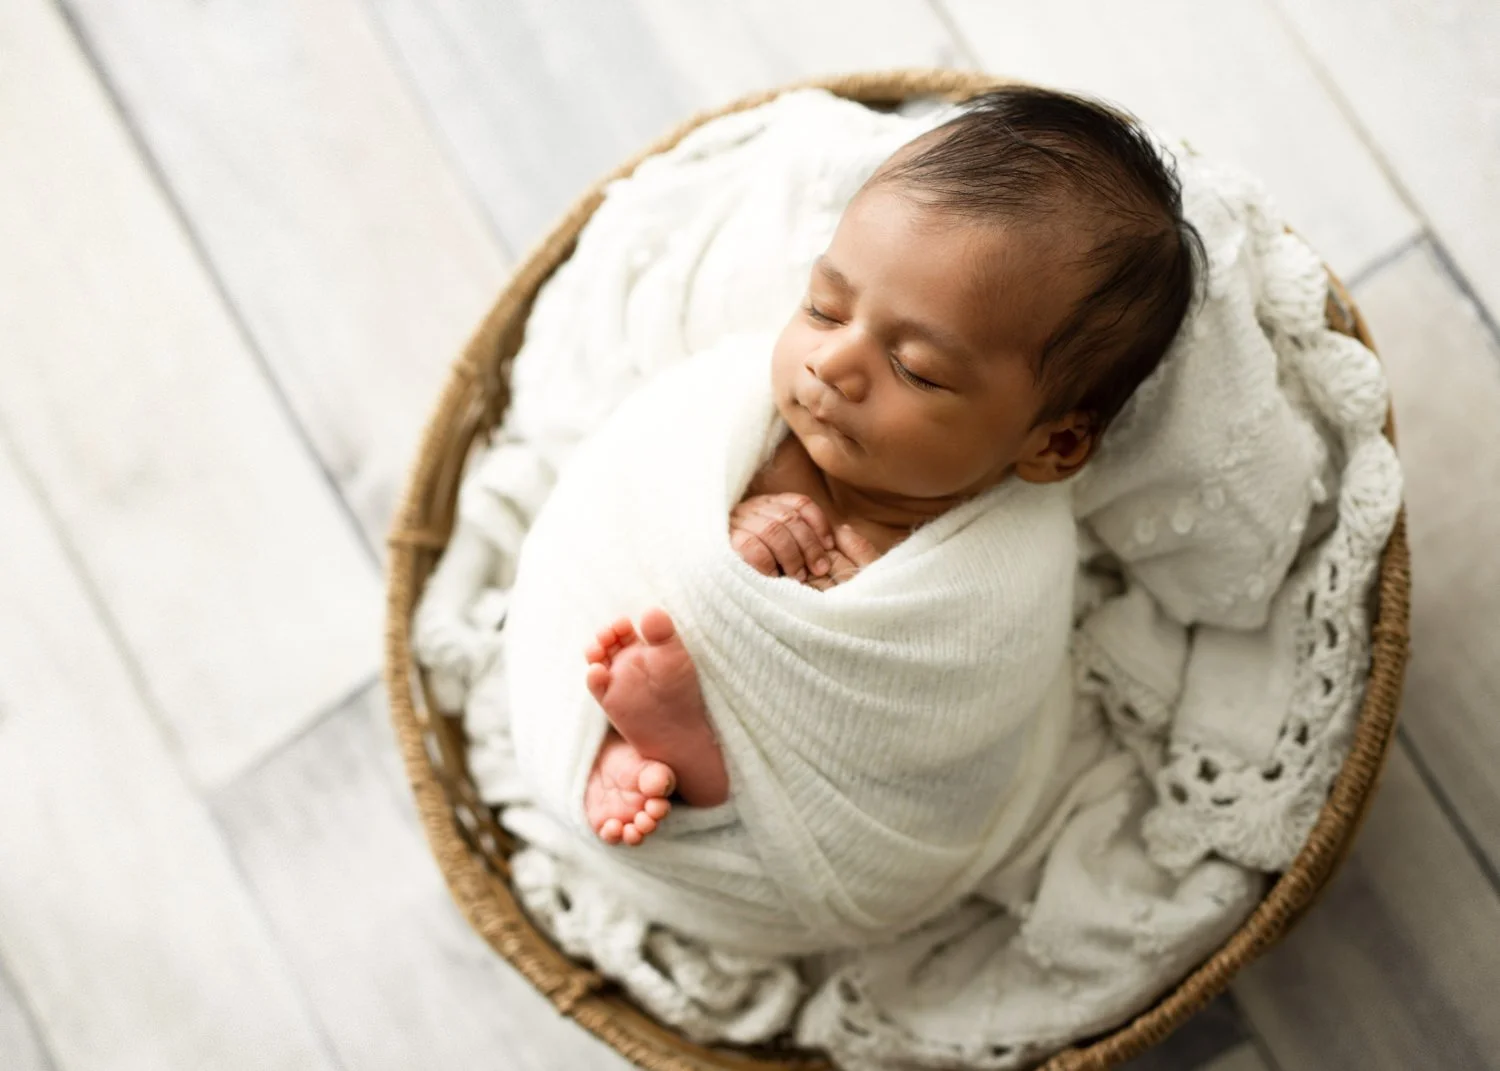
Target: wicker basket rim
[[469, 848]]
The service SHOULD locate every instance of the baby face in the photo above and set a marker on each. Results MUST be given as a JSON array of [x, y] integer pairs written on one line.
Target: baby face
[[907, 372]]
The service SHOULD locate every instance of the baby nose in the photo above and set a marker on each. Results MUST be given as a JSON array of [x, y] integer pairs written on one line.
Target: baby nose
[[843, 365]]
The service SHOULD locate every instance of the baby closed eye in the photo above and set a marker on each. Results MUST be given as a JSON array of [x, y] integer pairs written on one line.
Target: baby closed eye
[[911, 377], [817, 314], [823, 318]]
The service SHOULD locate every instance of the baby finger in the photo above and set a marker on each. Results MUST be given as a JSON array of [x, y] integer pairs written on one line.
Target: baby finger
[[774, 526], [812, 513], [750, 547], [807, 556], [855, 546]]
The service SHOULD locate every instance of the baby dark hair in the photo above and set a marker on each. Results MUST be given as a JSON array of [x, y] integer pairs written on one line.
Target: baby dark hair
[[1026, 155]]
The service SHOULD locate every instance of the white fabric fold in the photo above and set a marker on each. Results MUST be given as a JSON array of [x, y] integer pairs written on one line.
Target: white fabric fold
[[887, 740]]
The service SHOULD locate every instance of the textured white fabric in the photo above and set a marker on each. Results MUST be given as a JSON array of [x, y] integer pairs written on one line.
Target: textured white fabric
[[887, 740], [1230, 532], [1248, 490], [984, 987]]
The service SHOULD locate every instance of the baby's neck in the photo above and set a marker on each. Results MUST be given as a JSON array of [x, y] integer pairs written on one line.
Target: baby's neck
[[882, 518], [896, 512]]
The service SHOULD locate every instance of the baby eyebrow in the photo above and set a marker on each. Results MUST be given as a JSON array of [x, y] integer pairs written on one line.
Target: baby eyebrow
[[832, 274]]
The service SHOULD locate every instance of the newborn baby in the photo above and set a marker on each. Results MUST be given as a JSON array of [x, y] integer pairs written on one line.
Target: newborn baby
[[989, 301]]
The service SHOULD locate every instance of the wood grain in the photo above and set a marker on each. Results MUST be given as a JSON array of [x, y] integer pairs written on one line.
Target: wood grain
[[724, 48], [231, 573], [538, 98], [354, 258], [1240, 1058], [19, 1043], [1444, 368], [1423, 81], [326, 834], [1202, 1040], [122, 917], [1227, 77], [1396, 966]]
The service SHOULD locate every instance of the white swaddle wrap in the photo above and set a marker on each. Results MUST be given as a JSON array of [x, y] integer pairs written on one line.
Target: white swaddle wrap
[[887, 740]]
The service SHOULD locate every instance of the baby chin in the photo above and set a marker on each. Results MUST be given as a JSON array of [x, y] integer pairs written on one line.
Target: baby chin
[[831, 452]]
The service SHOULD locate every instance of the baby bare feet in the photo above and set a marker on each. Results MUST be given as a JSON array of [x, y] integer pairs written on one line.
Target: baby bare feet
[[648, 686], [626, 794]]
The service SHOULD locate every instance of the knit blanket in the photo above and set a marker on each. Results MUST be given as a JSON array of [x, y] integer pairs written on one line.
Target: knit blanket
[[887, 740], [1229, 533]]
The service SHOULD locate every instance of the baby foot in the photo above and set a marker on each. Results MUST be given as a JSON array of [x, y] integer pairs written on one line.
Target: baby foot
[[626, 794], [648, 686]]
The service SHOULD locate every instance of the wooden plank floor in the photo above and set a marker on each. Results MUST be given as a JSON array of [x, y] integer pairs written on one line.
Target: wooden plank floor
[[239, 243]]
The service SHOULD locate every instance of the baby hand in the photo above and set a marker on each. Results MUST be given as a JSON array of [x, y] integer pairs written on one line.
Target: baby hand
[[851, 553], [784, 534]]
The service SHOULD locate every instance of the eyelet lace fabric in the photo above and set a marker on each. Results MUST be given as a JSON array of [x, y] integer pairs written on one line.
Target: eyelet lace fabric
[[1275, 523]]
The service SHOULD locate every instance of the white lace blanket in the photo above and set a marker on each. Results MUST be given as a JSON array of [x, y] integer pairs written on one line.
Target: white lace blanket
[[1230, 531]]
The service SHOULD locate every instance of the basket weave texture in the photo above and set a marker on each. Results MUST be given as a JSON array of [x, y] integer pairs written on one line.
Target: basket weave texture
[[472, 850]]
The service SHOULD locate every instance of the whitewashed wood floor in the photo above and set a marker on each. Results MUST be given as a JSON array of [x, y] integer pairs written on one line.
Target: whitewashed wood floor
[[239, 242]]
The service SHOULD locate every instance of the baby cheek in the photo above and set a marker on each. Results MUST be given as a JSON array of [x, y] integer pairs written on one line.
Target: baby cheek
[[785, 359], [963, 456], [918, 460]]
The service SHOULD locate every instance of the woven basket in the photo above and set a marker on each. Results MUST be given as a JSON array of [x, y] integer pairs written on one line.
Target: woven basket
[[473, 851]]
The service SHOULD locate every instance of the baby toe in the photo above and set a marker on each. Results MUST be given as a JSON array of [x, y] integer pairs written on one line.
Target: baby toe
[[632, 835], [644, 822], [597, 678], [657, 627], [656, 779], [611, 831], [656, 808]]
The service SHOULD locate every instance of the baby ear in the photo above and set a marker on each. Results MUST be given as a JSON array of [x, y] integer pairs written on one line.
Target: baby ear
[[1056, 449]]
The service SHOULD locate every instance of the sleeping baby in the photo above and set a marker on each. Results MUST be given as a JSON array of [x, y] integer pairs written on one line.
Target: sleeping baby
[[857, 687]]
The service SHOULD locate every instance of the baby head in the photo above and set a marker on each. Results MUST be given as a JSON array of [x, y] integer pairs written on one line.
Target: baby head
[[990, 299]]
